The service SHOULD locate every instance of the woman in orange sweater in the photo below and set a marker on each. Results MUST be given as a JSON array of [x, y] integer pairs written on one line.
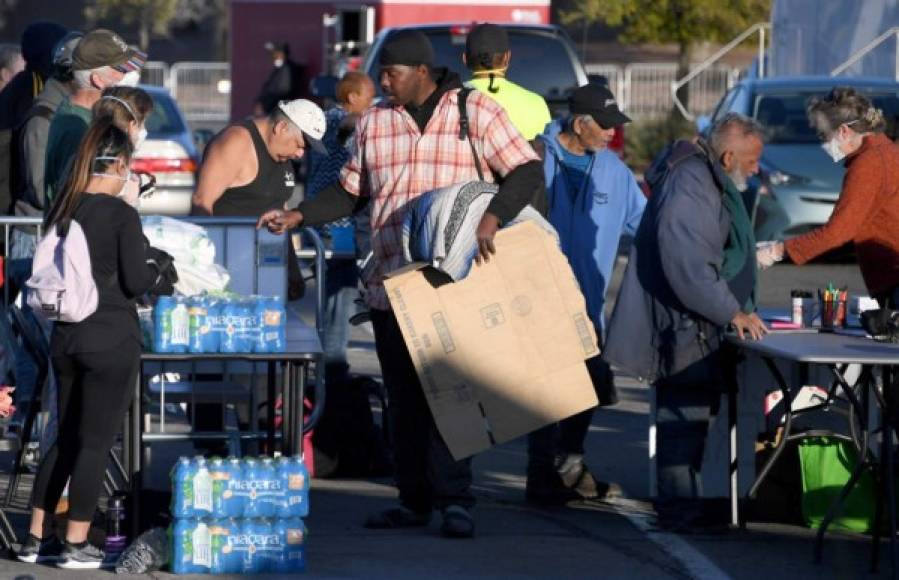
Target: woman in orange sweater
[[867, 211]]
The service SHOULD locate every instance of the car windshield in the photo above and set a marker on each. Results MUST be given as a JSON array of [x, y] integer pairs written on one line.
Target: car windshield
[[540, 62], [165, 118], [784, 115]]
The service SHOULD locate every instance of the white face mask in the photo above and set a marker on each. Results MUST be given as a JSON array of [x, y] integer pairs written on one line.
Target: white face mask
[[131, 79], [279, 62], [833, 149], [130, 188]]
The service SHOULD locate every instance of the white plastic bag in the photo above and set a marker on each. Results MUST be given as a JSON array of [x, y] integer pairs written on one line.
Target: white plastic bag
[[193, 253]]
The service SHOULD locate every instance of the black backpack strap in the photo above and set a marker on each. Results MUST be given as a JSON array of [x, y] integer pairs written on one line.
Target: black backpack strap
[[464, 129]]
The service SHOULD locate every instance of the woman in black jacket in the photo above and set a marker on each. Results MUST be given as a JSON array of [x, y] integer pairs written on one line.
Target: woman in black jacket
[[96, 361]]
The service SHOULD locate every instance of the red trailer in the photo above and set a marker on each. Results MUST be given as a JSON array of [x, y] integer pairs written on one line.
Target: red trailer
[[321, 33]]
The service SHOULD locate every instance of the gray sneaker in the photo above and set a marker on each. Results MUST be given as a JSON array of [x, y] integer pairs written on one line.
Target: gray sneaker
[[87, 557], [35, 550]]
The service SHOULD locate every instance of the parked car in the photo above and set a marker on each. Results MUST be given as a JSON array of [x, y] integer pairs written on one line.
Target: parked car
[[543, 61], [796, 171], [169, 153]]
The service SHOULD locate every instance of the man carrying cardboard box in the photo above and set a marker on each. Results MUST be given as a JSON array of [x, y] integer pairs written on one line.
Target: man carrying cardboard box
[[405, 146]]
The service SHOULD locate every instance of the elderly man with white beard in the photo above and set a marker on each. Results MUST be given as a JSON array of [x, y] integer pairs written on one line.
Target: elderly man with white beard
[[692, 274]]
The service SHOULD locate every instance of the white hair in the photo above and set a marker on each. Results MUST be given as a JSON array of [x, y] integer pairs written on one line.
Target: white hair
[[83, 77]]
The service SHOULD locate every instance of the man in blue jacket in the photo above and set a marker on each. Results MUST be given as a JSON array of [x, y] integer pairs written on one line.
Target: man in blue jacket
[[691, 274], [593, 200]]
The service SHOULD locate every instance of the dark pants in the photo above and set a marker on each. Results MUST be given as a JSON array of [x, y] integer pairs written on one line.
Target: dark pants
[[426, 474], [341, 291], [94, 393], [567, 436], [685, 403]]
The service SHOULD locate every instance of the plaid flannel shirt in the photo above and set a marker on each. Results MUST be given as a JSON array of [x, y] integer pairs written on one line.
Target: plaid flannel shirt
[[394, 163]]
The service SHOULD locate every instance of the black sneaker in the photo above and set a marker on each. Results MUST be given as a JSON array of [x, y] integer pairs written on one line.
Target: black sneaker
[[85, 557], [457, 522], [36, 550], [397, 517]]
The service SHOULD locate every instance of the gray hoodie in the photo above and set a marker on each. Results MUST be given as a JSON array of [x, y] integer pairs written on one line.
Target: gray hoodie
[[30, 202]]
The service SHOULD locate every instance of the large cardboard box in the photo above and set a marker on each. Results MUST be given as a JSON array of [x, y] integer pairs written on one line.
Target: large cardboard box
[[500, 353]]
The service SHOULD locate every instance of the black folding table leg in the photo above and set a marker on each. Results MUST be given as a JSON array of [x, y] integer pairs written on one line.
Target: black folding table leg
[[861, 463], [272, 399], [788, 423], [887, 438]]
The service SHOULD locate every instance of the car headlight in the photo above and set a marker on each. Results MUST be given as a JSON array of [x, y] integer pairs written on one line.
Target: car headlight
[[777, 178]]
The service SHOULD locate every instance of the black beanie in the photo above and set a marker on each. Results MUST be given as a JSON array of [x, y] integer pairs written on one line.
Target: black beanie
[[486, 39], [407, 48]]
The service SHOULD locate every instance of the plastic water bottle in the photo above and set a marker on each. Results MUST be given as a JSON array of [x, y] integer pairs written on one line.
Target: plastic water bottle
[[116, 540], [249, 531], [162, 324], [198, 325], [250, 474], [202, 548], [218, 472], [202, 484], [296, 483], [246, 325], [226, 556], [275, 325], [235, 504], [211, 339], [269, 491], [292, 533], [180, 325], [227, 501], [229, 341], [260, 342], [183, 488], [182, 546], [191, 547], [268, 547]]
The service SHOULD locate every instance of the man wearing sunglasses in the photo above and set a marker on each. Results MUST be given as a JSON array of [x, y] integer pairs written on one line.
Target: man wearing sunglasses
[[101, 59], [593, 200]]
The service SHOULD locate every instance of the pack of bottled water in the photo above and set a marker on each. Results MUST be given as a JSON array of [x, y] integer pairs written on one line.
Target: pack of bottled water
[[236, 516], [208, 324]]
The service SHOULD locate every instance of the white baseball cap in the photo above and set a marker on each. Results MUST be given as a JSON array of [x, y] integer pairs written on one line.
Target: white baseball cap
[[310, 120]]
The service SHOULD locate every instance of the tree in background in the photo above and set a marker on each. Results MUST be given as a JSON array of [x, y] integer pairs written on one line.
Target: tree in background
[[159, 17], [150, 16], [682, 22]]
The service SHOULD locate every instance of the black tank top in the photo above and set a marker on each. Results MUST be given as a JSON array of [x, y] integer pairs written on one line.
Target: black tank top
[[271, 188]]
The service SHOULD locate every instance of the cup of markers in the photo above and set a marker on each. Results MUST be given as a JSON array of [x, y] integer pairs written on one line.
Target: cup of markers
[[832, 306]]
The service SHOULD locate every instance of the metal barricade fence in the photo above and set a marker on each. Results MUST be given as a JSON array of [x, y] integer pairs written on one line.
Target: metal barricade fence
[[202, 89], [644, 89], [614, 74], [155, 73]]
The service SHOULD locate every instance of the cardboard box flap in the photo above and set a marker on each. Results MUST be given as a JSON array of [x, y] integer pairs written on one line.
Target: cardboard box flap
[[502, 352]]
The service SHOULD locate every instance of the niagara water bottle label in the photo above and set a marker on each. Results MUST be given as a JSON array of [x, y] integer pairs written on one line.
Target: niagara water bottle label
[[180, 325], [203, 490], [202, 555]]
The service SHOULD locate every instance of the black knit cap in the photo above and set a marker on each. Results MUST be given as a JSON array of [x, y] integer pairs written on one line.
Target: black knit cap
[[407, 48], [487, 39]]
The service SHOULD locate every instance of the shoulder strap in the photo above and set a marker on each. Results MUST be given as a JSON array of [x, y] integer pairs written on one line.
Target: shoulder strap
[[464, 130]]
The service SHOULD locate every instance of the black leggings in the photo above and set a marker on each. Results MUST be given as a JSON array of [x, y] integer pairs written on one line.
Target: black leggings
[[95, 390]]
